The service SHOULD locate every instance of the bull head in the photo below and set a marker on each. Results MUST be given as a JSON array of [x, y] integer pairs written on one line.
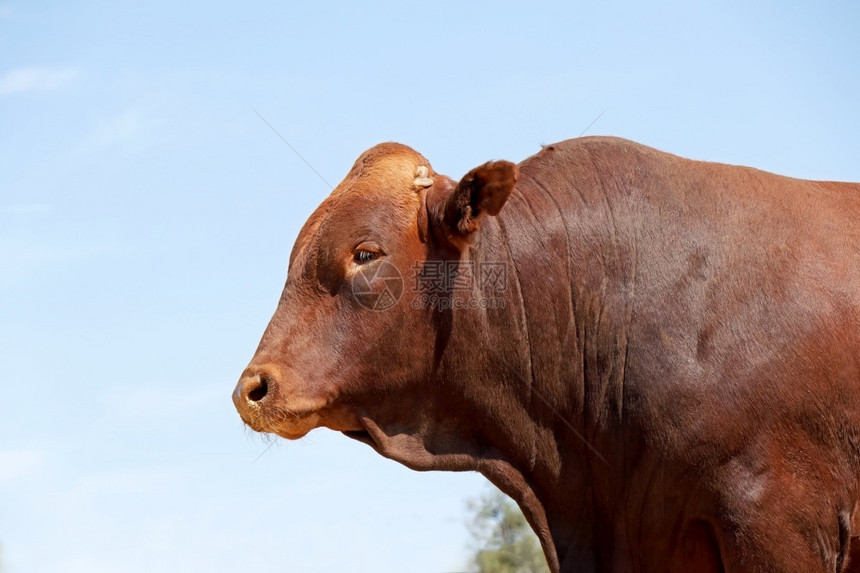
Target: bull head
[[348, 348]]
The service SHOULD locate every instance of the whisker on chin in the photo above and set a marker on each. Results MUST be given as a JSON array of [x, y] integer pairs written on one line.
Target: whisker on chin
[[284, 414]]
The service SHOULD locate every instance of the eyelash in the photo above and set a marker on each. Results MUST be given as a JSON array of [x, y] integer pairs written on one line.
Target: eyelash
[[364, 256]]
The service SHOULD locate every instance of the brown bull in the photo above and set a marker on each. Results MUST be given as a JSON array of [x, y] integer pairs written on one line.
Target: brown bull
[[657, 358]]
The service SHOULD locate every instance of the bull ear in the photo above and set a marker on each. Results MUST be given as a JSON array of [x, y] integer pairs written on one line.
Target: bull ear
[[482, 192]]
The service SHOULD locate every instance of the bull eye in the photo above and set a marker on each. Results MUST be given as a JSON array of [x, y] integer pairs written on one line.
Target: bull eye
[[364, 256]]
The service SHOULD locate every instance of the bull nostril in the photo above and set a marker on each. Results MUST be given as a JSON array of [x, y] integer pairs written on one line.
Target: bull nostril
[[259, 391]]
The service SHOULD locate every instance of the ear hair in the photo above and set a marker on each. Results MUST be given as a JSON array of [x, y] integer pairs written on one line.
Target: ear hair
[[481, 192]]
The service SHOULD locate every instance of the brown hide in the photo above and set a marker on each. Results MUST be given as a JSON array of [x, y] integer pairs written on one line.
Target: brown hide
[[667, 380]]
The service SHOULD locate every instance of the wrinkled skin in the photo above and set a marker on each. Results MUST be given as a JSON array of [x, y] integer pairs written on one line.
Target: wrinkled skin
[[670, 385]]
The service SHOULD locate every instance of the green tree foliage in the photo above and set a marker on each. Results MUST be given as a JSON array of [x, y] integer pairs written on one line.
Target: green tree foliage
[[505, 542]]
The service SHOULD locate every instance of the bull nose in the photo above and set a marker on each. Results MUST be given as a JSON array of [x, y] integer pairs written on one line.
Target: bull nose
[[251, 389]]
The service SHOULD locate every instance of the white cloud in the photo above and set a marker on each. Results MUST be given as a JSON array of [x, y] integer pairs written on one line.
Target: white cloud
[[25, 209], [28, 255], [22, 260], [35, 79], [160, 401], [129, 126], [17, 464], [125, 482]]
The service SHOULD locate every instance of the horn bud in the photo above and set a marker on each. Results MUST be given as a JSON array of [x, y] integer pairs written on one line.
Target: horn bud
[[421, 177]]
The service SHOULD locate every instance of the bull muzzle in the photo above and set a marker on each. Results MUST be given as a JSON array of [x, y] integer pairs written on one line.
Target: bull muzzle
[[270, 399], [250, 391]]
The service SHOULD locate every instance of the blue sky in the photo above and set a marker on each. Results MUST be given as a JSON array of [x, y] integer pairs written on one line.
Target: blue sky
[[147, 213]]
